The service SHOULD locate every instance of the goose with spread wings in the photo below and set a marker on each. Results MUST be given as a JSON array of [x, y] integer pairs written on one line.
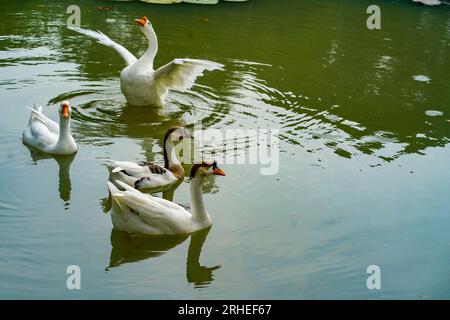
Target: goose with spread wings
[[139, 82]]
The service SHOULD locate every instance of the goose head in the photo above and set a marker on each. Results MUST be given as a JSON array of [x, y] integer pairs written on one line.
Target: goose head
[[177, 134], [206, 168], [65, 110], [144, 23]]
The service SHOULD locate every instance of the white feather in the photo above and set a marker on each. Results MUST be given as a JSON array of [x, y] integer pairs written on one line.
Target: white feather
[[180, 74], [103, 39]]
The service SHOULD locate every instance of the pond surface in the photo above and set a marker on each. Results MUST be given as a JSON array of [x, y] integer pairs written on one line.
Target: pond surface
[[364, 128]]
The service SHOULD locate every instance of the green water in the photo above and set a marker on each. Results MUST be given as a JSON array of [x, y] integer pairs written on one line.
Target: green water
[[363, 177]]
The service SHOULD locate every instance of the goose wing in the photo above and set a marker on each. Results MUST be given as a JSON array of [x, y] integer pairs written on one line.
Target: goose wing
[[162, 214], [102, 38], [168, 204], [180, 74], [37, 115], [129, 168], [154, 168]]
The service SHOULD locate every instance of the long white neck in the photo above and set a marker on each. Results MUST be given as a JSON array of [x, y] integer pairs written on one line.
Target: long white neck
[[149, 55], [171, 159], [65, 143], [199, 212], [65, 138]]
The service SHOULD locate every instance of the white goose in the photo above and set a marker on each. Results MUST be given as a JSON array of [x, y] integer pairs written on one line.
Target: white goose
[[148, 175], [46, 135], [137, 212], [139, 82]]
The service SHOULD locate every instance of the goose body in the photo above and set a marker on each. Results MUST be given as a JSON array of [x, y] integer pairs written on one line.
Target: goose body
[[140, 83], [48, 136], [148, 175], [137, 212]]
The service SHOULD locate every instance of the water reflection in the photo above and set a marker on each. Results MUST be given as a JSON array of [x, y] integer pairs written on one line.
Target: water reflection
[[199, 275], [127, 248], [248, 100], [64, 163], [98, 116], [97, 121], [323, 79], [168, 192], [326, 97], [353, 102]]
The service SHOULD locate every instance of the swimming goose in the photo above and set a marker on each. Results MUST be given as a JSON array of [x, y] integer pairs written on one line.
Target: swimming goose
[[46, 135], [137, 212], [146, 175], [139, 82]]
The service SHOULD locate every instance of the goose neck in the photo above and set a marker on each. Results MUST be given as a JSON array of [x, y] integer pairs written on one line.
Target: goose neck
[[199, 212], [64, 129], [149, 55], [171, 161]]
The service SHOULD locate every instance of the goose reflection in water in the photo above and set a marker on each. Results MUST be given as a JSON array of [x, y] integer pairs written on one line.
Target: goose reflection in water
[[64, 163], [97, 119], [127, 248]]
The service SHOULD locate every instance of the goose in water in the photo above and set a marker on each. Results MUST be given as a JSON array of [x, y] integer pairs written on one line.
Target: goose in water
[[139, 82], [148, 175], [137, 212], [46, 135]]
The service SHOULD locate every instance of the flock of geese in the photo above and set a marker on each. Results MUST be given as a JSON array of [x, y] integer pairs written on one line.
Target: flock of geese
[[132, 210]]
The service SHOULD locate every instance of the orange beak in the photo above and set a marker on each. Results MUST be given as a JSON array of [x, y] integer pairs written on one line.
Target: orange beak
[[65, 111], [142, 21], [218, 172]]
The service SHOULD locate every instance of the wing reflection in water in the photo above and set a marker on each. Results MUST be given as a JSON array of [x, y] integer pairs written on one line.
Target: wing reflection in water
[[97, 118], [64, 163], [127, 248]]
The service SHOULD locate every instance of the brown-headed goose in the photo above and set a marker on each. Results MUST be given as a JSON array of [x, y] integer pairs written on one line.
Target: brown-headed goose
[[137, 212], [148, 175]]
